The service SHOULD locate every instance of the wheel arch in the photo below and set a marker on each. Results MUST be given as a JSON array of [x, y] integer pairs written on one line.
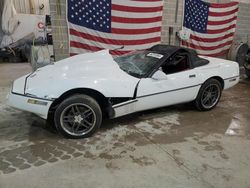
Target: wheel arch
[[103, 101], [218, 78]]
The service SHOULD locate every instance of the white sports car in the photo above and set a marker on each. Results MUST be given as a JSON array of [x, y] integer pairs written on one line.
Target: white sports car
[[81, 90]]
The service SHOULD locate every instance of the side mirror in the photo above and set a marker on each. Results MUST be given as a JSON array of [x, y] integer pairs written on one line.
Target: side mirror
[[159, 75]]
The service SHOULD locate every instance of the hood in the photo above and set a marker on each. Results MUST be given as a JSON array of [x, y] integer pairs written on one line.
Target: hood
[[88, 70], [78, 66]]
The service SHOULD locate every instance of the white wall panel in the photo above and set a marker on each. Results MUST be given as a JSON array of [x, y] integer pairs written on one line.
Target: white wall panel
[[23, 6]]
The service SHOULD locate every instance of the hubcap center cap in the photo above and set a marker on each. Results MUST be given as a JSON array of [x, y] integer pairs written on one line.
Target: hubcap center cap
[[78, 119], [209, 95]]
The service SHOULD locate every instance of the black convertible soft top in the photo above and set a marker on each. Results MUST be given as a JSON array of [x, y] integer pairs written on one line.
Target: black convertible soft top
[[169, 50]]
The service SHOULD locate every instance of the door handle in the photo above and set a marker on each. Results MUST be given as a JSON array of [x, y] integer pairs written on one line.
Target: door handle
[[192, 76]]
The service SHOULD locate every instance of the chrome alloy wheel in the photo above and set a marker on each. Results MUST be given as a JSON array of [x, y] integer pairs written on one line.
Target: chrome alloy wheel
[[210, 96], [78, 119]]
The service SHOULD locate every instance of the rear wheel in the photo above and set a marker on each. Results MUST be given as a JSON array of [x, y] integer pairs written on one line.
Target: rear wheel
[[209, 95], [78, 116]]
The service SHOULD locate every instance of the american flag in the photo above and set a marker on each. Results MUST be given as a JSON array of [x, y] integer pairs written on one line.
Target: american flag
[[111, 24], [211, 26]]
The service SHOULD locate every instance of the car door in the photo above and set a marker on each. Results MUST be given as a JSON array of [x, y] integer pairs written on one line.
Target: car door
[[167, 89]]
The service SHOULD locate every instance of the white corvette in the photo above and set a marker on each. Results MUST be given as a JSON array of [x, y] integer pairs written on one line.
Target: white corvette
[[81, 90]]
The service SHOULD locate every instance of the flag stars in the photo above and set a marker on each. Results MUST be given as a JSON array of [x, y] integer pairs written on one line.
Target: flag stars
[[196, 15], [94, 14]]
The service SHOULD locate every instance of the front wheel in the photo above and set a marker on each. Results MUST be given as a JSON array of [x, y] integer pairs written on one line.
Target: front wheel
[[209, 95], [78, 116]]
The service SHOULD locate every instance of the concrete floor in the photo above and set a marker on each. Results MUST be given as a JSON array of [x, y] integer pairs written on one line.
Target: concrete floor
[[169, 147]]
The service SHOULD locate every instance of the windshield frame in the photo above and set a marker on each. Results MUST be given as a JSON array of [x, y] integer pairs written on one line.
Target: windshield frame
[[152, 69]]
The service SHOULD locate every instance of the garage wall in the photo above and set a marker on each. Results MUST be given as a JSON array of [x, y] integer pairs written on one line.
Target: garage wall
[[31, 6], [1, 9], [171, 24]]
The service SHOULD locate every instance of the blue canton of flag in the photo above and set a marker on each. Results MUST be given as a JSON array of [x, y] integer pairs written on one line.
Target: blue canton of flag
[[196, 15], [93, 14]]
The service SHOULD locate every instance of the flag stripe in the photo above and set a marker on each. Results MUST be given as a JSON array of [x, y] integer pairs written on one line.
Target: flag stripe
[[218, 54], [137, 26], [113, 35], [211, 40], [210, 44], [125, 14], [216, 27], [222, 18], [113, 41], [217, 31], [209, 48], [147, 0], [135, 31], [136, 9], [136, 20], [86, 48], [223, 5], [106, 46], [134, 3], [222, 22], [219, 14], [213, 37], [208, 52], [223, 9]]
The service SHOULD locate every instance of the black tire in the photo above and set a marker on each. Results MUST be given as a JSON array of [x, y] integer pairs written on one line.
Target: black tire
[[202, 100], [247, 70], [78, 116]]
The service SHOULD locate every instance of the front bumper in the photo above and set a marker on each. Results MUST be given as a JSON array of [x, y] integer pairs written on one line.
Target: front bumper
[[28, 103]]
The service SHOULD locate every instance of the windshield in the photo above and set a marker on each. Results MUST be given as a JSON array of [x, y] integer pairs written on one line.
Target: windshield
[[138, 63]]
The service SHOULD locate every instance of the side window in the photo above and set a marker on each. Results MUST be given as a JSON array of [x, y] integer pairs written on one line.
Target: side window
[[178, 63]]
